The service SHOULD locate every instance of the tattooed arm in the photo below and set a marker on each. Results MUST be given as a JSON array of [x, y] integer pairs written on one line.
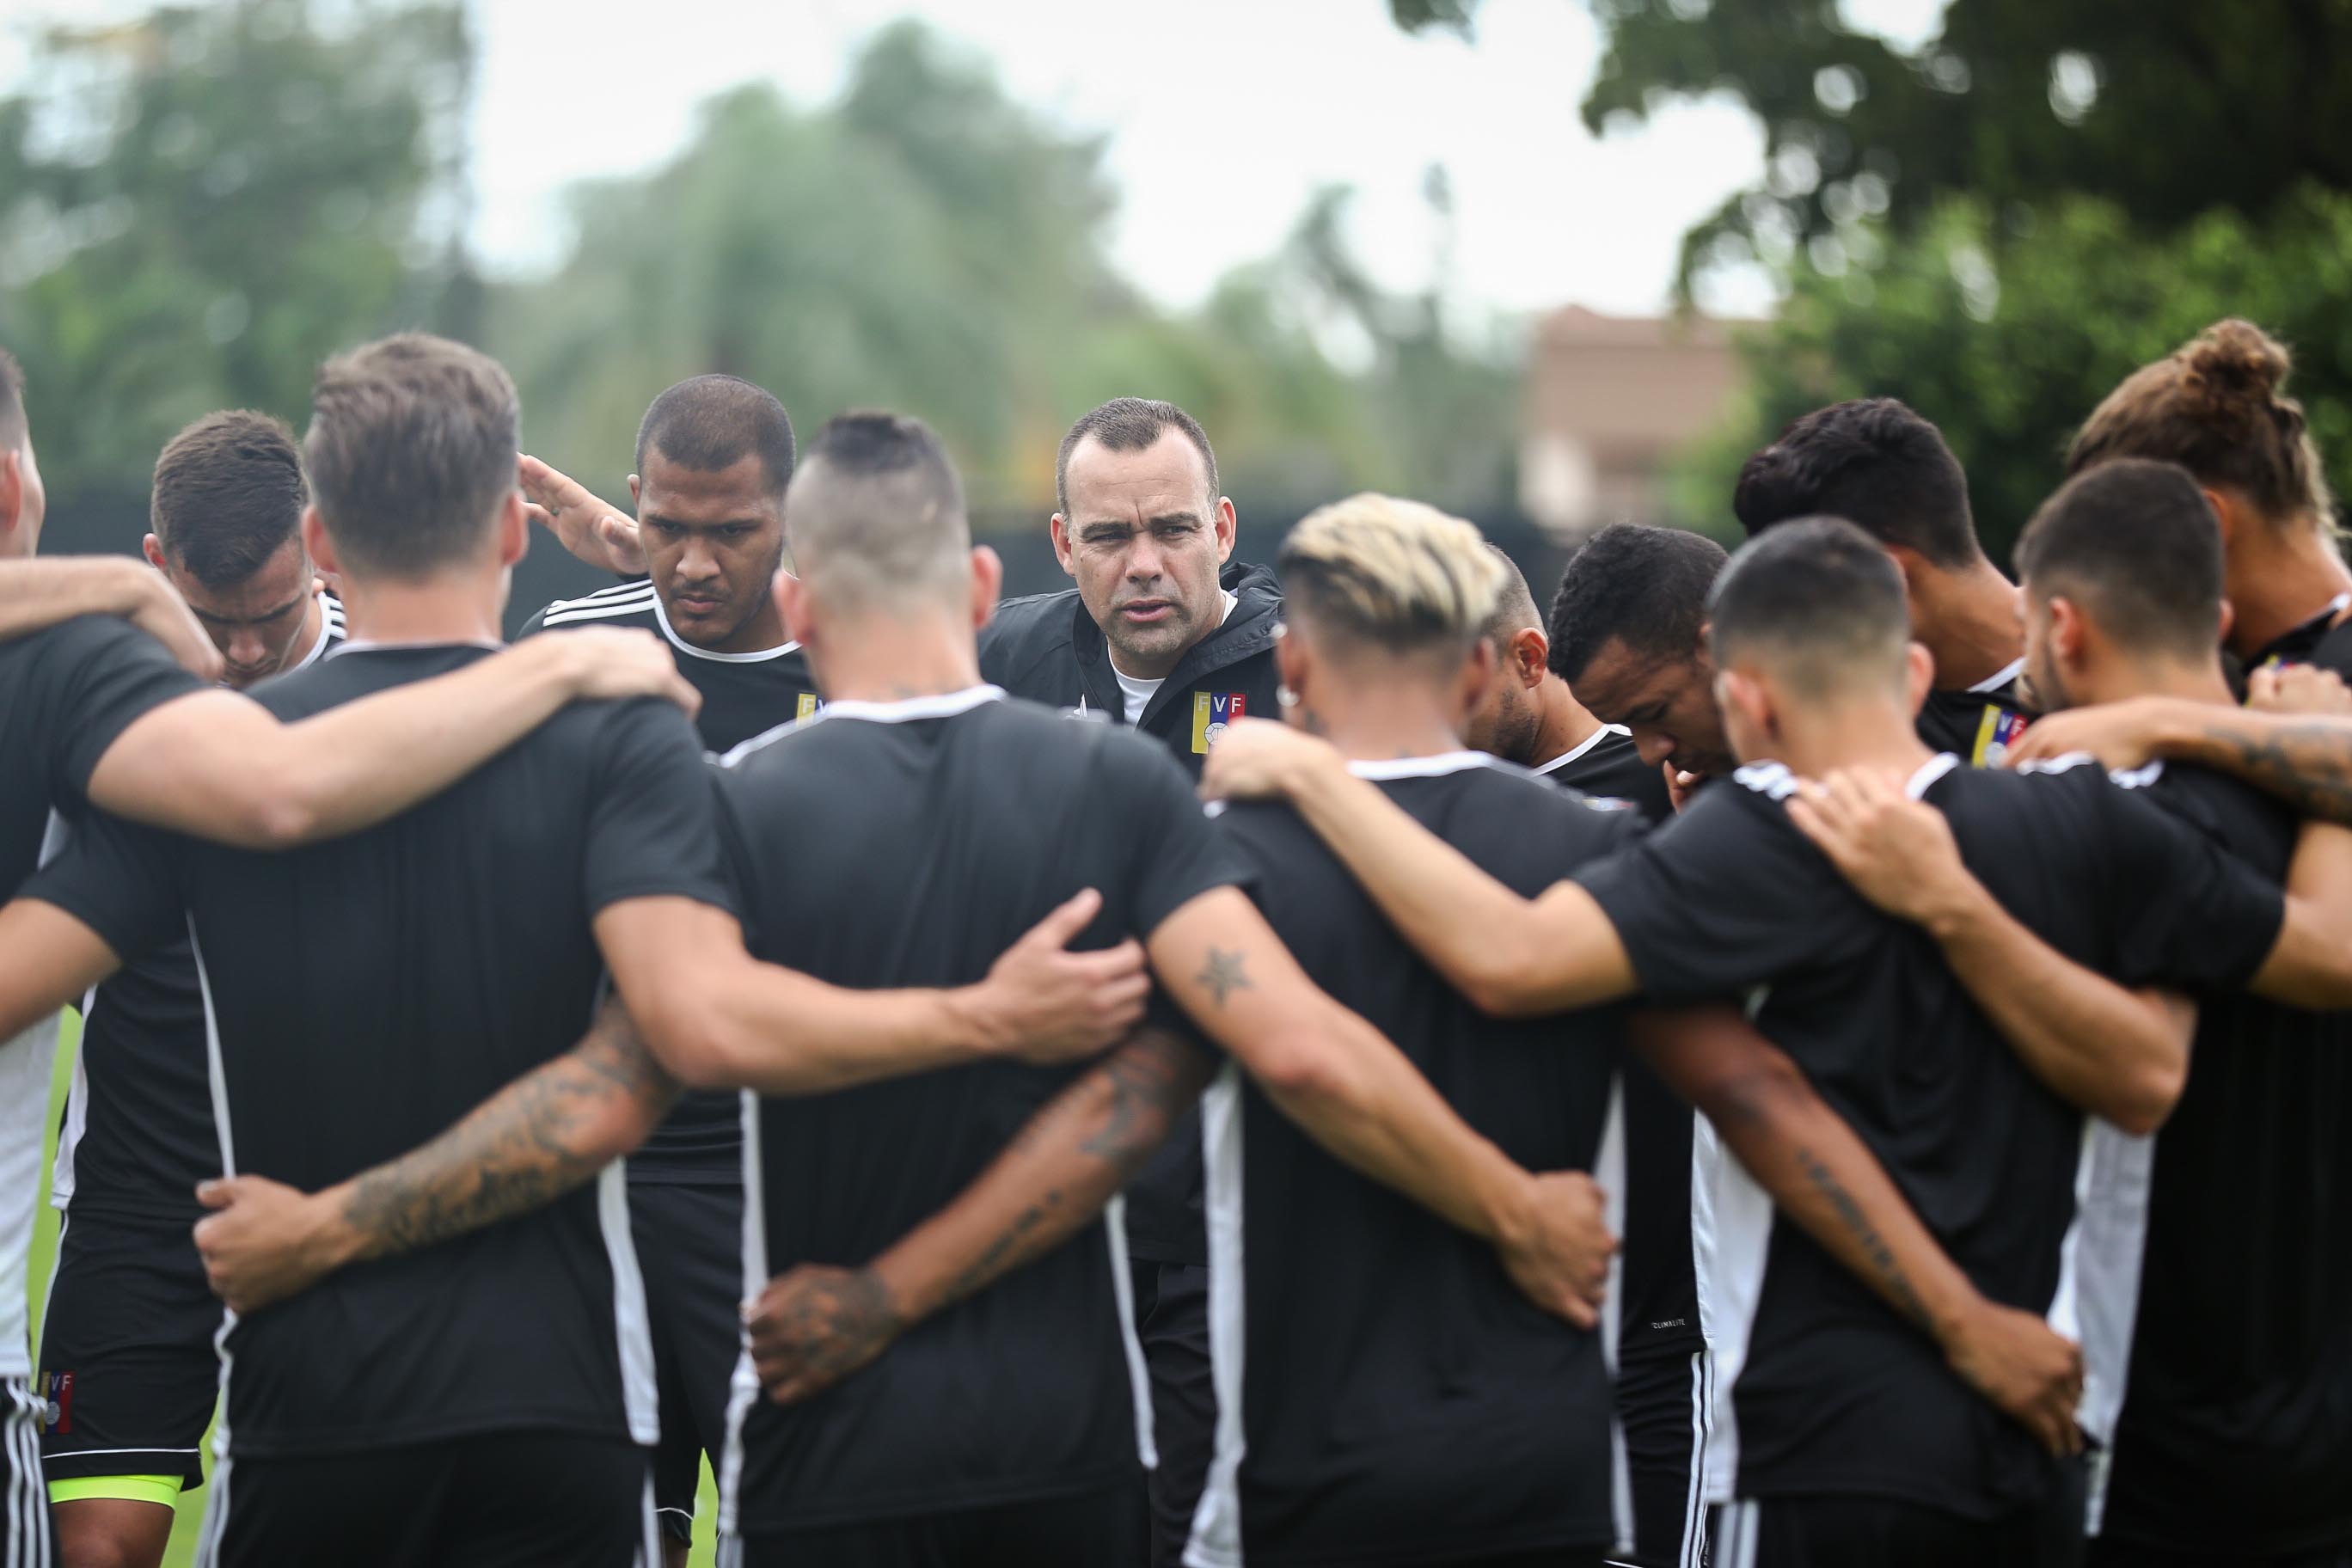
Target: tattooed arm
[[2304, 758], [818, 1323], [537, 1139], [1824, 1177]]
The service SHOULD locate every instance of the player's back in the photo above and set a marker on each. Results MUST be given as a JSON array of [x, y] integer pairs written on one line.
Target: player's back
[[908, 844], [1401, 1400], [363, 994]]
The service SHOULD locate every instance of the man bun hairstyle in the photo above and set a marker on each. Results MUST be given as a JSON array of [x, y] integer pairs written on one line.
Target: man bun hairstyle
[[1817, 601], [228, 495], [410, 452], [1129, 424], [1874, 462], [2218, 406], [1644, 587], [707, 423], [2134, 542], [1397, 574]]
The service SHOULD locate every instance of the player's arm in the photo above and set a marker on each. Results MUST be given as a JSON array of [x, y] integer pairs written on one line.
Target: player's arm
[[1358, 1096], [36, 594], [2118, 1053], [720, 1018], [218, 766], [1511, 955], [2304, 758], [53, 959], [542, 1135], [2310, 966], [1822, 1176], [590, 530], [818, 1323]]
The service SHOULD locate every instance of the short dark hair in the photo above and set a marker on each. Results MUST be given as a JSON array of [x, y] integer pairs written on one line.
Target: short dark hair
[[1819, 599], [1515, 605], [879, 510], [1127, 425], [228, 496], [1644, 587], [706, 423], [1876, 464], [411, 449], [12, 401], [2133, 541]]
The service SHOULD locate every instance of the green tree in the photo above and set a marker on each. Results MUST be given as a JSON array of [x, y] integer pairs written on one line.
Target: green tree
[[196, 207]]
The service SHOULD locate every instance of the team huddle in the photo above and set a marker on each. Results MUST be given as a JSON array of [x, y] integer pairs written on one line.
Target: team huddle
[[1818, 1057]]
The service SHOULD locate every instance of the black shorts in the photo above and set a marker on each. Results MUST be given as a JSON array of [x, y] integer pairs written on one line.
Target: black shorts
[[1879, 1533], [127, 1358], [689, 1241], [25, 1533], [1664, 1403], [500, 1499], [1097, 1529], [1172, 1319]]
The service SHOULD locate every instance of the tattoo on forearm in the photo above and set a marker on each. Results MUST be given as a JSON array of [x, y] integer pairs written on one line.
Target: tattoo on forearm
[[1145, 1096], [1223, 974], [2308, 766], [1882, 1257], [515, 1154]]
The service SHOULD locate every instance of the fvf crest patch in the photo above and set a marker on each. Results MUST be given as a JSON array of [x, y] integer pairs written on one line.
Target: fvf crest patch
[[1211, 711]]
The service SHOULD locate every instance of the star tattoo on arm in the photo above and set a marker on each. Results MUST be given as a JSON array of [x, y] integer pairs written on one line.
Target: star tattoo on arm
[[1223, 974]]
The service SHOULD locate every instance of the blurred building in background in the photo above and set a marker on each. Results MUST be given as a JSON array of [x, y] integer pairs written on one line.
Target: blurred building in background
[[1609, 402]]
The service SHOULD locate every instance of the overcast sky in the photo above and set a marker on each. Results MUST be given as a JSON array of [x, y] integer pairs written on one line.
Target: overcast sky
[[1223, 116]]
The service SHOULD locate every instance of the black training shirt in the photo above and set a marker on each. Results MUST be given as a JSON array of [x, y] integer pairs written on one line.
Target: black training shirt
[[941, 829], [1834, 1394], [1978, 723], [366, 993]]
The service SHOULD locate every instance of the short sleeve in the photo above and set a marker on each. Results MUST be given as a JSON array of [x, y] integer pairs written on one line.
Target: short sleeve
[[123, 880], [2189, 912], [1179, 852], [1727, 896], [653, 826], [104, 674]]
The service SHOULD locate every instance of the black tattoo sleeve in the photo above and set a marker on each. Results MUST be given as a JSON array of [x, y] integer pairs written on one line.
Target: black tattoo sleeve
[[538, 1138], [2307, 764]]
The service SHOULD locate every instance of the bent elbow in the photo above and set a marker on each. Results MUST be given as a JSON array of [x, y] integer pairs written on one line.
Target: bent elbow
[[2148, 1105], [689, 1042], [278, 818], [1508, 983], [1299, 1069]]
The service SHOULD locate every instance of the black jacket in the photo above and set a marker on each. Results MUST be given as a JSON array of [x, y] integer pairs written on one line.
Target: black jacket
[[1047, 648]]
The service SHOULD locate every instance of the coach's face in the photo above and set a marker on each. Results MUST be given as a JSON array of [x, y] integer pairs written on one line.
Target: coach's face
[[1144, 537], [1668, 704], [713, 540]]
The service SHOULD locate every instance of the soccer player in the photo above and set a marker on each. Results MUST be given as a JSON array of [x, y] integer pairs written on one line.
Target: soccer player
[[127, 1342], [1875, 463], [2231, 1356], [479, 1402], [714, 454], [1664, 1369], [94, 710], [1627, 635], [1851, 1446]]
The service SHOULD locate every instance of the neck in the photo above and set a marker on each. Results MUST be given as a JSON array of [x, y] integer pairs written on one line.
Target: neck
[[1563, 722], [889, 657], [1967, 619], [1862, 732], [2278, 584], [2194, 680], [1383, 720], [447, 608], [764, 632]]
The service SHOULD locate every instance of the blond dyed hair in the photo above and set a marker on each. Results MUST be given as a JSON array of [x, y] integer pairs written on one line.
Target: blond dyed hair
[[1396, 573]]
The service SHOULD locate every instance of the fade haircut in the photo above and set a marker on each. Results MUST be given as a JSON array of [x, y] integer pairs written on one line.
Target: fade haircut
[[228, 496], [876, 513], [1817, 601], [13, 425], [1399, 575], [1129, 424], [706, 423], [1644, 587], [2134, 542], [1875, 463], [410, 452], [1515, 603]]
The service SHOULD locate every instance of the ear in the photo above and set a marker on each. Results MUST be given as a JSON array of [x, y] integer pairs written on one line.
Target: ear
[[1530, 655], [791, 604], [1908, 562], [12, 491], [1744, 695], [987, 582], [315, 541], [2228, 619], [1060, 530], [1228, 526], [635, 487], [1918, 674], [2228, 512], [154, 549], [2068, 630], [1293, 663], [514, 530]]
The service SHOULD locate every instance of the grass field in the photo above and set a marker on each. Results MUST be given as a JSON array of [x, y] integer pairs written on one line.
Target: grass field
[[192, 1504]]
